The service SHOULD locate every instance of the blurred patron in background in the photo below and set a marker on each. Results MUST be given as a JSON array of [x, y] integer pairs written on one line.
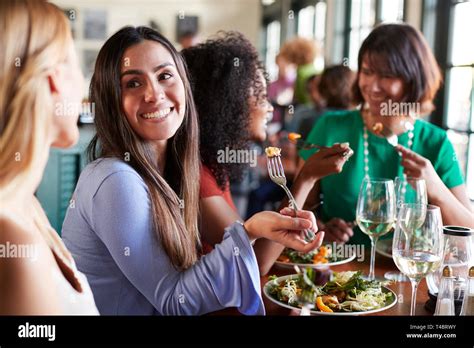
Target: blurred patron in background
[[301, 52], [188, 39], [280, 91], [302, 111], [334, 92]]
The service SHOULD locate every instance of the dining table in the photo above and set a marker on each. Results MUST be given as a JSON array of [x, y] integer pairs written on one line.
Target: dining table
[[383, 264]]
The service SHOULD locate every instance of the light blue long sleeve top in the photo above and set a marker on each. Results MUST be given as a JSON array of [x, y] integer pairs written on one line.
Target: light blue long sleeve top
[[109, 231]]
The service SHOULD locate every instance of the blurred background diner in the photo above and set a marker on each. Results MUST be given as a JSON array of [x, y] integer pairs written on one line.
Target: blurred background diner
[[309, 49]]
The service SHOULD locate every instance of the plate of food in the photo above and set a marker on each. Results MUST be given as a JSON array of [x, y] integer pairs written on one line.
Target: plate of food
[[346, 294], [321, 258]]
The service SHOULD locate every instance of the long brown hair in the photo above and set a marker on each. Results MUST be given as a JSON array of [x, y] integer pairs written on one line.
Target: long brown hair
[[176, 226]]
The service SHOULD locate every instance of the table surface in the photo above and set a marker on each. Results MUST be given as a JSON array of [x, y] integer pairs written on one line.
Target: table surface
[[383, 264]]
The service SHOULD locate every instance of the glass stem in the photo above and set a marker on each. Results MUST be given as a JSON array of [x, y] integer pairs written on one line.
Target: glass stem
[[414, 288], [373, 241]]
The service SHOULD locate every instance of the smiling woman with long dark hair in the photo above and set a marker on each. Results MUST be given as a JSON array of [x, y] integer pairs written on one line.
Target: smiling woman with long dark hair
[[114, 89], [133, 227]]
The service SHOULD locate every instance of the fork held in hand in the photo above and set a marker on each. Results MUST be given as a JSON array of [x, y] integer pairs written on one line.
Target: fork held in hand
[[277, 175]]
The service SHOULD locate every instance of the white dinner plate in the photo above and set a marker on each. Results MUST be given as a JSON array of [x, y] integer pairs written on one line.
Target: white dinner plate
[[286, 305]]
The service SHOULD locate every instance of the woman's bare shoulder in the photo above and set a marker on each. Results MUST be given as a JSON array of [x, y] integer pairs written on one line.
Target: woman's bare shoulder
[[14, 230], [24, 262]]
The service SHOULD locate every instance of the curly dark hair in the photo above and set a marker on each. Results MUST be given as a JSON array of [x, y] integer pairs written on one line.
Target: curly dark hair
[[224, 73]]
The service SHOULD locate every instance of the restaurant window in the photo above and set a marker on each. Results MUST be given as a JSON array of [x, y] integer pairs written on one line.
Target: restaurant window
[[312, 25], [362, 20], [390, 11], [320, 31], [458, 97], [272, 46], [429, 21], [340, 14], [320, 21], [355, 19], [306, 18]]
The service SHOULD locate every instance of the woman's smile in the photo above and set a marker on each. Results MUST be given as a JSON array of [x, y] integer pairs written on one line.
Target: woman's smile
[[158, 114]]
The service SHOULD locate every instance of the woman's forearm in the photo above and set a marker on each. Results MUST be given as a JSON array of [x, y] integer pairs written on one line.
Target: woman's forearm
[[452, 210], [216, 215]]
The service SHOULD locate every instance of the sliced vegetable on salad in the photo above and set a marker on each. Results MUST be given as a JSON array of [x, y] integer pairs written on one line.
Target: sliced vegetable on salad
[[320, 255]]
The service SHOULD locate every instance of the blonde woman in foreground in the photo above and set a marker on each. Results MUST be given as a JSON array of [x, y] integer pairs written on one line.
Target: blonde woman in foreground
[[39, 78]]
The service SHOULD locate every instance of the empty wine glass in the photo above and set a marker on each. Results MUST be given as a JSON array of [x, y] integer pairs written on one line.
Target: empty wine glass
[[410, 190], [407, 190], [417, 243], [375, 212]]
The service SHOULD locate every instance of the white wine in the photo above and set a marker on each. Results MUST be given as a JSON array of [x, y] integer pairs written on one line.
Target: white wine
[[416, 264], [375, 228]]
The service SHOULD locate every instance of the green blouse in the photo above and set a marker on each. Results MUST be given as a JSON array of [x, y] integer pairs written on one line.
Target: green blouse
[[303, 73], [341, 190]]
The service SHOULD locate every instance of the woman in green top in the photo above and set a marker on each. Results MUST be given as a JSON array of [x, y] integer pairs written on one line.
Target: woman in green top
[[397, 80]]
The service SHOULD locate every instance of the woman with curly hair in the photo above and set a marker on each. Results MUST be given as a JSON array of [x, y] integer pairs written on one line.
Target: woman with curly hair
[[229, 87]]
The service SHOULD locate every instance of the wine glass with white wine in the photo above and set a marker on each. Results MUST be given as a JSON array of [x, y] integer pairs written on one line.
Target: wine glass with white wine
[[375, 212], [417, 244], [407, 190]]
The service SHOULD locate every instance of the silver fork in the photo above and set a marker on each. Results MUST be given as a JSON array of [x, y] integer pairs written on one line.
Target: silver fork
[[306, 299], [392, 138], [277, 175]]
